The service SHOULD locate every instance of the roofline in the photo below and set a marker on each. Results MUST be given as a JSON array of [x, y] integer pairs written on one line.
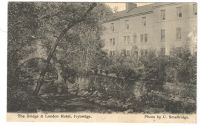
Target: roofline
[[148, 12], [169, 3], [166, 4], [131, 15]]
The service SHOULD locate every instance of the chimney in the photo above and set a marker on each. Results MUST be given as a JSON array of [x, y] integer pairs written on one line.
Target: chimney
[[130, 6]]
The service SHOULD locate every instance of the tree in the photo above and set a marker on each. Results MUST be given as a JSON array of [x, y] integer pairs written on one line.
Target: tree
[[57, 30], [54, 46], [69, 24], [22, 26], [79, 30]]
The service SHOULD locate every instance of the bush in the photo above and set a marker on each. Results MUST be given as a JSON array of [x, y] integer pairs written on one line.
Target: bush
[[21, 101], [185, 65], [154, 72]]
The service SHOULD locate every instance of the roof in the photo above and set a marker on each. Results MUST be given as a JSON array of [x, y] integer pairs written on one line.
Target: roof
[[141, 10]]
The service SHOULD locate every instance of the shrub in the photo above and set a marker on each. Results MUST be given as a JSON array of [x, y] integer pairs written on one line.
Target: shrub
[[154, 72]]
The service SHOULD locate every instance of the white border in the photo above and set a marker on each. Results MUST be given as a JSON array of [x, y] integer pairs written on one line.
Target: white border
[[3, 69]]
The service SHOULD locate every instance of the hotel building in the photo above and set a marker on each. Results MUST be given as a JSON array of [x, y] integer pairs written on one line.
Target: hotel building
[[160, 27]]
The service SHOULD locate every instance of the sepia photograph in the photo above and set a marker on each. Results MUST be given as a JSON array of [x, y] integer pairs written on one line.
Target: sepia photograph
[[102, 58]]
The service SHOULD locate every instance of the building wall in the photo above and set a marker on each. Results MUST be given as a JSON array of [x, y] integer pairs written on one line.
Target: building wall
[[187, 23], [136, 27]]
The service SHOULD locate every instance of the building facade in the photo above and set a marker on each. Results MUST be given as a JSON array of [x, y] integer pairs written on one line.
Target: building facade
[[160, 27]]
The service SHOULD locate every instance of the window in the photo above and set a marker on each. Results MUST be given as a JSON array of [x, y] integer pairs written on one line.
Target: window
[[144, 21], [162, 36], [162, 14], [195, 9], [112, 27], [162, 51], [124, 39], [141, 37], [178, 33], [123, 52], [135, 47], [126, 24], [127, 39], [179, 11], [112, 41], [112, 53], [145, 37], [134, 38]]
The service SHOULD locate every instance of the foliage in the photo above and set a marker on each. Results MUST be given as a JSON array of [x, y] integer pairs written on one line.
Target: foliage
[[154, 72], [38, 24], [185, 65], [125, 67], [22, 27], [34, 26]]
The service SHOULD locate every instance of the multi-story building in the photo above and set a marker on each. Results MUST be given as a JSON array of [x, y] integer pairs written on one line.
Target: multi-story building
[[160, 27]]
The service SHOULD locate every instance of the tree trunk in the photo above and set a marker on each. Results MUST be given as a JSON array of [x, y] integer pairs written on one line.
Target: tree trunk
[[60, 80], [54, 46]]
